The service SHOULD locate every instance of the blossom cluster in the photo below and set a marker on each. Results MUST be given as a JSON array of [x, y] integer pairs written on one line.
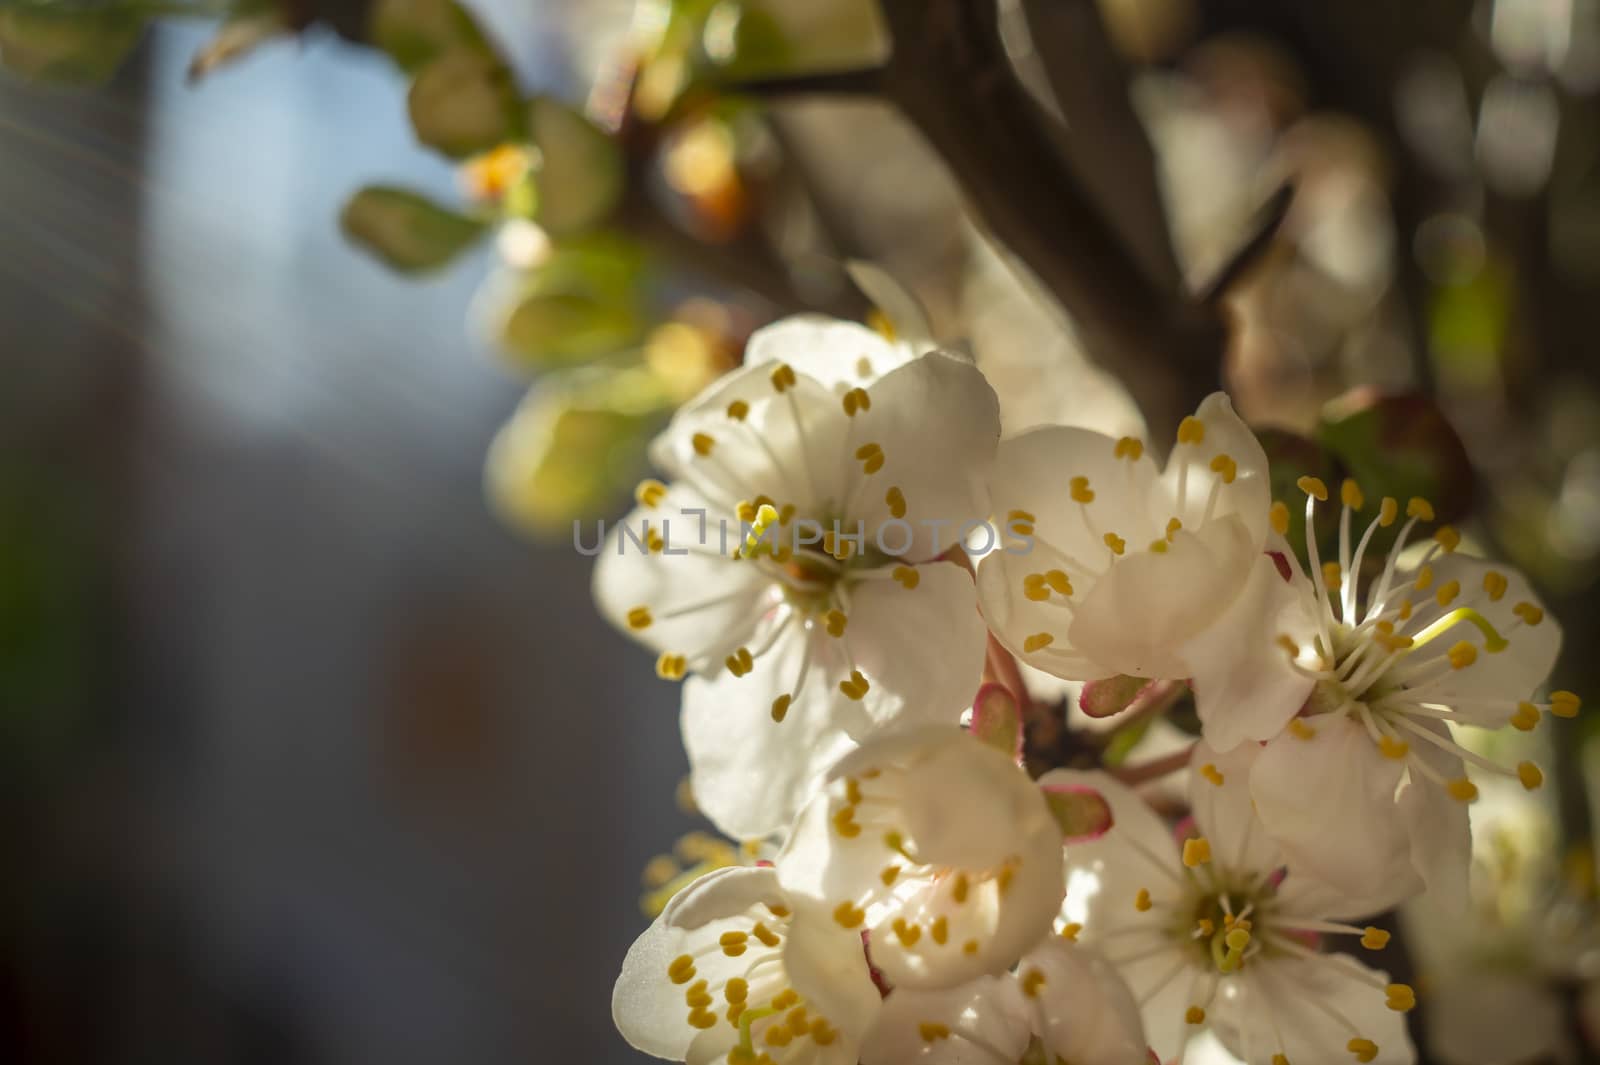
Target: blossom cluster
[[858, 715]]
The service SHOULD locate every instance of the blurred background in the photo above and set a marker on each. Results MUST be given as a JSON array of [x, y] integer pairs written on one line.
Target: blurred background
[[313, 748]]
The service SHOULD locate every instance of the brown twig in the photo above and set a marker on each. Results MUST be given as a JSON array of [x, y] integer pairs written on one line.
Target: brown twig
[[1154, 769]]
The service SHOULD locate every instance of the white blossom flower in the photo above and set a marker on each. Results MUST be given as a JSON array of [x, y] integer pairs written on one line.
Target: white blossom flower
[[936, 845], [1366, 790], [793, 565], [1112, 567], [719, 978], [1210, 934], [1066, 997]]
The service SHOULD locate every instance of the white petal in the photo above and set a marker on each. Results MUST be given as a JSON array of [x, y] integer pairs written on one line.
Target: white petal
[[1274, 1008], [750, 774], [1439, 828], [830, 971], [1225, 813], [1244, 685], [840, 355], [937, 423], [921, 648], [1138, 616], [913, 333], [1511, 674], [983, 1013], [1248, 497], [1329, 802], [1013, 617], [1106, 874], [1083, 1012]]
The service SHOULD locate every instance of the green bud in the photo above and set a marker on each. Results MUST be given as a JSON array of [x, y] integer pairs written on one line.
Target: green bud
[[580, 174]]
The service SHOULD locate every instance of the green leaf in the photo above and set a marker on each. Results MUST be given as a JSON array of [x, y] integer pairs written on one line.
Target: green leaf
[[406, 230], [416, 32], [1400, 446], [82, 47], [585, 302], [580, 174], [464, 102]]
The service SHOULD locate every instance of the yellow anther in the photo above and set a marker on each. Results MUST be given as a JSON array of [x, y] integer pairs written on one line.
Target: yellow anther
[[740, 662], [1212, 773], [1032, 981], [907, 576], [1037, 642], [871, 457], [1365, 1050], [896, 501], [852, 791], [1462, 655], [1405, 611], [970, 947], [1462, 790], [1173, 526], [1447, 592], [1280, 1059], [856, 399], [1419, 508], [698, 995], [1393, 748], [1191, 430], [1388, 511], [959, 888], [1071, 930], [738, 410], [1529, 613], [799, 1023], [1034, 587], [856, 686], [1020, 522], [1526, 719], [1194, 1015], [822, 1033], [1081, 492], [1424, 579], [844, 822], [1374, 938], [702, 1019], [1225, 468], [940, 930], [1447, 538], [1279, 517], [1331, 576], [649, 493], [654, 542], [1141, 901], [1400, 997], [1494, 585], [932, 1031], [1129, 448], [671, 666], [783, 377], [848, 915], [1206, 927], [1565, 704], [889, 874], [768, 937], [733, 943], [1116, 543], [1159, 547], [736, 990], [835, 620], [1300, 730], [1286, 642], [780, 707], [1313, 486], [907, 934], [681, 971], [703, 443], [1237, 938], [1350, 495], [1530, 775], [1196, 852], [639, 618], [1058, 581]]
